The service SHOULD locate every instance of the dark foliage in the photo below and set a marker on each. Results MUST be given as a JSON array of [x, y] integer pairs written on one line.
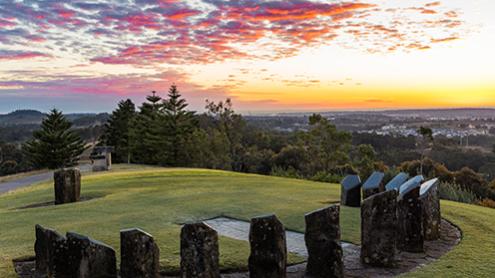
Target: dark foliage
[[55, 145]]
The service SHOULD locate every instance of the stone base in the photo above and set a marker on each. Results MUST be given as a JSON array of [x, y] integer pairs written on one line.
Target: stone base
[[89, 258], [140, 256], [410, 216], [268, 258], [67, 185], [199, 251], [322, 237], [379, 229], [351, 197], [370, 192]]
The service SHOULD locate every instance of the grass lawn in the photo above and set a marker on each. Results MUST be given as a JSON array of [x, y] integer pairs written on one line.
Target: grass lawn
[[156, 199]]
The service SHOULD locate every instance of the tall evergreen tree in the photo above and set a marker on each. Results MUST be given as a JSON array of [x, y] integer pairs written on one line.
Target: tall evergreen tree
[[146, 134], [179, 125], [55, 145], [117, 130]]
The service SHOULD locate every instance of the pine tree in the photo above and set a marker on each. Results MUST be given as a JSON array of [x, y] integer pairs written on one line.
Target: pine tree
[[179, 125], [55, 145], [117, 130], [146, 134]]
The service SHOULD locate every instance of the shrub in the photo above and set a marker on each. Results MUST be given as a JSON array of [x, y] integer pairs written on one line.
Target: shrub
[[472, 181], [454, 192], [289, 173], [323, 176], [8, 167], [489, 203]]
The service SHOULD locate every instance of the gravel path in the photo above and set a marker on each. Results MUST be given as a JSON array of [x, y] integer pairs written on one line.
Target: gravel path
[[30, 180]]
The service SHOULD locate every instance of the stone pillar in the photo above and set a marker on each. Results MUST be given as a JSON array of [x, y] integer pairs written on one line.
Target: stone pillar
[[410, 216], [67, 186], [88, 258], [140, 256], [268, 258], [430, 200], [199, 251], [351, 191], [322, 237], [379, 229], [51, 251], [373, 185]]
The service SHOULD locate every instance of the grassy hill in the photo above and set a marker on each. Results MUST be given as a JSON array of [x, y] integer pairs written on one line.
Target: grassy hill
[[157, 199]]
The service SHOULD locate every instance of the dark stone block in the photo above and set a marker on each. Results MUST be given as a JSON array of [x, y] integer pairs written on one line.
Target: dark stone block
[[51, 251], [379, 229], [89, 258], [351, 191], [199, 251], [397, 181], [67, 183], [430, 200], [373, 185], [322, 237], [410, 215], [140, 256], [268, 258]]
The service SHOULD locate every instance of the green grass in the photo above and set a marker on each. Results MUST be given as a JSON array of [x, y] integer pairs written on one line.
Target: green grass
[[475, 255], [156, 199]]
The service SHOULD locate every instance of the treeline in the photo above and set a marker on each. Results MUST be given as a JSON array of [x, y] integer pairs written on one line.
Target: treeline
[[393, 150], [165, 132]]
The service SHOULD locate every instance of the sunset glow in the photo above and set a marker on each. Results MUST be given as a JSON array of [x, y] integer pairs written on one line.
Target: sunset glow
[[266, 55]]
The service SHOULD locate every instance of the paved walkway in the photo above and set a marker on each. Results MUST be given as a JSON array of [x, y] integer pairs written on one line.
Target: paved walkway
[[237, 229], [30, 180], [450, 237]]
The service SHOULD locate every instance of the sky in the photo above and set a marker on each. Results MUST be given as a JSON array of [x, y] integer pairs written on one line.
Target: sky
[[267, 56]]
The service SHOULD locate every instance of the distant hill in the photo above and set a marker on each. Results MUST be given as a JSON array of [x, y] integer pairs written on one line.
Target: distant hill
[[33, 117], [22, 117], [454, 113]]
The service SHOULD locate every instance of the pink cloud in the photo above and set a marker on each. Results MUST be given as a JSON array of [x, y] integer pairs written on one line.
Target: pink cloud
[[20, 55]]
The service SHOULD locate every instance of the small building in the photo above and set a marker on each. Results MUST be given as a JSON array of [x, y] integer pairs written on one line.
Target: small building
[[101, 158]]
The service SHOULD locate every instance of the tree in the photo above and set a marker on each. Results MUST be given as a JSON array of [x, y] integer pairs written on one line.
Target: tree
[[425, 142], [231, 125], [179, 125], [147, 132], [326, 146], [117, 130], [365, 159], [55, 145]]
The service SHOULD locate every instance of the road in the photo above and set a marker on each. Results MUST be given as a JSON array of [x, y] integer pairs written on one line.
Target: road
[[30, 180]]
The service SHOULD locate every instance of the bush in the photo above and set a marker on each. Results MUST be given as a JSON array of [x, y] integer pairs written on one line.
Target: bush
[[8, 167], [323, 176], [289, 173], [454, 192], [472, 181], [489, 203]]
